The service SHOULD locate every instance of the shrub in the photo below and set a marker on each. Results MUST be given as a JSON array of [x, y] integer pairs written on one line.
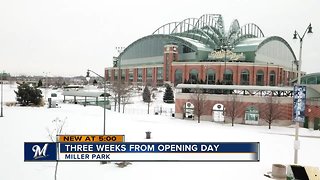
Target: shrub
[[27, 95]]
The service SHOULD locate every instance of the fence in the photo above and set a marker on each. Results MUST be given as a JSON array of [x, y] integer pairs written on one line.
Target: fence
[[153, 110]]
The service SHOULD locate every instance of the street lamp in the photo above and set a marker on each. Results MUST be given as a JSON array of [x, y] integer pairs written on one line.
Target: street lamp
[[1, 115], [296, 35], [225, 46], [104, 97], [120, 50], [46, 87]]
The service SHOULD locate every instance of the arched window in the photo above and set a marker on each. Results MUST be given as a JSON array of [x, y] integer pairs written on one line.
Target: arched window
[[251, 115], [149, 76], [228, 77], [244, 77], [140, 75], [210, 77], [178, 77], [109, 74], [272, 78], [260, 78], [159, 75], [130, 75], [123, 74], [115, 75], [193, 76], [149, 73]]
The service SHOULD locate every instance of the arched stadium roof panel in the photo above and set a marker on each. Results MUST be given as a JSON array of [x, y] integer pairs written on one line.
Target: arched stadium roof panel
[[214, 20], [253, 44], [152, 46], [249, 44], [280, 39], [275, 50], [200, 46]]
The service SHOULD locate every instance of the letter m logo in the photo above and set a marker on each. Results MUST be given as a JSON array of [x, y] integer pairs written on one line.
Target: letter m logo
[[40, 151]]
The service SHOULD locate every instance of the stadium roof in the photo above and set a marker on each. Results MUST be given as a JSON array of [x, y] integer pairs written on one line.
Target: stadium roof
[[206, 33], [200, 36]]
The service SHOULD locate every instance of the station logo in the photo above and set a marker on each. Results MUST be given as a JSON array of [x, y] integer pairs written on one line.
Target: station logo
[[40, 151]]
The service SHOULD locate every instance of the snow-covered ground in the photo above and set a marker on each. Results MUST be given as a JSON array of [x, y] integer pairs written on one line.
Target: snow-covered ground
[[32, 124]]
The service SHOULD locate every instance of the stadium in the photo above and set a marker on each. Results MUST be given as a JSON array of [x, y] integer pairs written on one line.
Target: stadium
[[202, 53]]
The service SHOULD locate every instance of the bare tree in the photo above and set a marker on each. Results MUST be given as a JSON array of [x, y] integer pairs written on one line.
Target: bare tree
[[232, 106], [270, 109], [57, 129], [115, 102], [125, 98], [199, 100], [119, 90]]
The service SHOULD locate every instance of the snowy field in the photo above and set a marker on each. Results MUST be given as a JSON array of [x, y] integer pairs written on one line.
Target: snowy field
[[32, 124]]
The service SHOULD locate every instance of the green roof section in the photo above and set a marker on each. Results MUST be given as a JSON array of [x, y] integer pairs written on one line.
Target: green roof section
[[249, 45], [200, 46]]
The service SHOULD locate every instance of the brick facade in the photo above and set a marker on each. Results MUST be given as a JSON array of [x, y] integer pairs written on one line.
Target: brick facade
[[202, 69], [284, 108], [171, 64]]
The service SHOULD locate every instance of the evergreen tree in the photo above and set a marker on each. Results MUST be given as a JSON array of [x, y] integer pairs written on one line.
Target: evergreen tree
[[168, 96], [146, 95], [40, 83], [94, 82], [27, 95]]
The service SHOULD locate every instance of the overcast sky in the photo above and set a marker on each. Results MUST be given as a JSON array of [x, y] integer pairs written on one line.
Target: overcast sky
[[66, 37]]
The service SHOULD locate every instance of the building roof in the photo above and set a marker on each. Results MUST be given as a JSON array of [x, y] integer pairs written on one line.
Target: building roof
[[82, 93], [312, 92], [313, 78]]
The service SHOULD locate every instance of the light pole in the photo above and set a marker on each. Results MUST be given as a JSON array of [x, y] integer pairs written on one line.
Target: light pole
[[104, 97], [46, 87], [1, 115], [225, 64], [120, 50], [296, 36]]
